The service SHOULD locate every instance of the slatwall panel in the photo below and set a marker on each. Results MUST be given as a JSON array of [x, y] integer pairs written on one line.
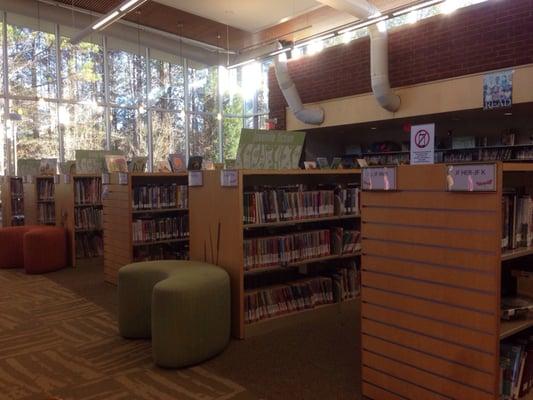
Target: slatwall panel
[[430, 290]]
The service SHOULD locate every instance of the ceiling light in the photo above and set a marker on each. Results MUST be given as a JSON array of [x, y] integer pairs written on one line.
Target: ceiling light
[[280, 51], [105, 20], [417, 7], [314, 40], [450, 6], [508, 113], [363, 24], [128, 5], [241, 63]]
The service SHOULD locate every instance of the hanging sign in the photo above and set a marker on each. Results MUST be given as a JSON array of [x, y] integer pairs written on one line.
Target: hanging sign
[[423, 144], [229, 178], [196, 178], [471, 178], [379, 178]]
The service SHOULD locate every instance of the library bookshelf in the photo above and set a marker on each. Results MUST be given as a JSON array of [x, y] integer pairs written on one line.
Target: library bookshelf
[[13, 202], [219, 235], [431, 286], [125, 210], [78, 208], [39, 196]]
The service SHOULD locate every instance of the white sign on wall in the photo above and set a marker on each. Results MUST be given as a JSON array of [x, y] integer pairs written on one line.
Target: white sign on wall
[[379, 178], [471, 178], [423, 144]]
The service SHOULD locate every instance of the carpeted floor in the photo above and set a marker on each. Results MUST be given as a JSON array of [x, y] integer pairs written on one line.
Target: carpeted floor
[[318, 359]]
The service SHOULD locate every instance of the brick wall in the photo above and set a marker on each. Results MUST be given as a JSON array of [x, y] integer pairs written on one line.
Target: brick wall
[[492, 35]]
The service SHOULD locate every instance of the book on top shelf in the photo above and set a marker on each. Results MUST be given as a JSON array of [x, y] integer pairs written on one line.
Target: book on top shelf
[[177, 162], [116, 163], [137, 165], [163, 166], [48, 166]]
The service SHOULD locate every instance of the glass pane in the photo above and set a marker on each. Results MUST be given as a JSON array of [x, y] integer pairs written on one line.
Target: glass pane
[[231, 91], [128, 131], [167, 90], [32, 62], [127, 78], [36, 130], [203, 136], [83, 126], [168, 134], [203, 89], [82, 71], [232, 134], [1, 57], [262, 90]]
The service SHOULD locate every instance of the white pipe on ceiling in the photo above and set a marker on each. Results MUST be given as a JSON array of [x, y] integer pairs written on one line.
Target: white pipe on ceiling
[[379, 51]]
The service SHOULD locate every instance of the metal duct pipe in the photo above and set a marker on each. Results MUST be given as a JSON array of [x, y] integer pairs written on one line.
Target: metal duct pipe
[[308, 115], [379, 50]]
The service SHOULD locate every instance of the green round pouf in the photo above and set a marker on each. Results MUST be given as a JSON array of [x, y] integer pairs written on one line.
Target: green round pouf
[[190, 310]]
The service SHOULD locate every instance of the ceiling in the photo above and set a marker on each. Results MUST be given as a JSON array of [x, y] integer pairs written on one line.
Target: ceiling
[[236, 24], [249, 15]]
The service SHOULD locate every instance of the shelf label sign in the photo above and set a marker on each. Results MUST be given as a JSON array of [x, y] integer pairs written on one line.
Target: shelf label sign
[[471, 178], [56, 179], [122, 178], [105, 178], [229, 178], [66, 179], [196, 178], [379, 178], [423, 144]]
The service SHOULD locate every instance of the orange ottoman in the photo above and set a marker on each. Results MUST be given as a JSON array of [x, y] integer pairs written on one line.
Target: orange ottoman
[[45, 249], [11, 246]]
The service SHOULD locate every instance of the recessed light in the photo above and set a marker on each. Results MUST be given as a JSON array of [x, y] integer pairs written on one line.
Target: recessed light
[[508, 113], [373, 128]]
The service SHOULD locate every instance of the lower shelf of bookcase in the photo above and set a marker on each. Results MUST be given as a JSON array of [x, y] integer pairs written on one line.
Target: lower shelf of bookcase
[[510, 328], [323, 312]]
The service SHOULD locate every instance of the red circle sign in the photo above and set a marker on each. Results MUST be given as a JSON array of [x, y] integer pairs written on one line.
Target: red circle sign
[[422, 139]]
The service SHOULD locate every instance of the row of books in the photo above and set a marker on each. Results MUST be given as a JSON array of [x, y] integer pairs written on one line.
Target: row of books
[[283, 299], [165, 251], [45, 189], [89, 245], [387, 159], [517, 227], [46, 213], [17, 188], [346, 282], [149, 230], [345, 241], [516, 367], [272, 251], [160, 196], [88, 191], [88, 218], [295, 203], [17, 206]]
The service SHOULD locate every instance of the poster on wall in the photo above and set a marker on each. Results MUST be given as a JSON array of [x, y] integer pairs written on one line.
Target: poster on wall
[[423, 144], [498, 90], [261, 149]]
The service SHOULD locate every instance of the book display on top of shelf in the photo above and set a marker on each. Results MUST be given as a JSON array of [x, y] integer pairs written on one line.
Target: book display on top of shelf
[[288, 239], [116, 163], [145, 219], [137, 165]]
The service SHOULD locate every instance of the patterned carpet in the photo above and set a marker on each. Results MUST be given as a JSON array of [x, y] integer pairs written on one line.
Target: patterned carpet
[[57, 345]]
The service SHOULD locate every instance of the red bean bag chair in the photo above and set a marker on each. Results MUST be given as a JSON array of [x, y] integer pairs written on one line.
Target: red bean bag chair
[[11, 246], [45, 249]]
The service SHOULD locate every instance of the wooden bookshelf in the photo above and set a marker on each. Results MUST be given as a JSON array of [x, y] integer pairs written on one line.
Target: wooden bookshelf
[[9, 199], [218, 231], [431, 287], [119, 215], [41, 201], [66, 204]]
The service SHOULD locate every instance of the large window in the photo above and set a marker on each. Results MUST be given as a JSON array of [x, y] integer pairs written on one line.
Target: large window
[[58, 101]]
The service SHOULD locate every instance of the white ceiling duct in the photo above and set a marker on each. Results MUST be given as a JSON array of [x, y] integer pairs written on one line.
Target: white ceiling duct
[[308, 115], [379, 51]]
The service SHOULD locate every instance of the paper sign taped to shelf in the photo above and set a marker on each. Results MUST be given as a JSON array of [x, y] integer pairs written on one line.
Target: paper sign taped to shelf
[[229, 178], [122, 178], [66, 179], [379, 178], [471, 178], [423, 144], [105, 178], [56, 179], [196, 178]]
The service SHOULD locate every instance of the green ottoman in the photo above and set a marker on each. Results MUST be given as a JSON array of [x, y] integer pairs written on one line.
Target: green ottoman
[[183, 305]]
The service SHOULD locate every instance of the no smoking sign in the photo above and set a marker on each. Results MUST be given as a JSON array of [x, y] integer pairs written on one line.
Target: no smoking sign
[[423, 144]]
